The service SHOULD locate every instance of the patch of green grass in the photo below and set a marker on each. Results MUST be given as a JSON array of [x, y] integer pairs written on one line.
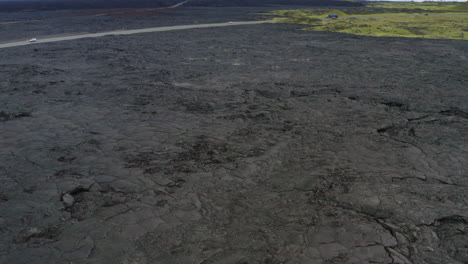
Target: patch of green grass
[[462, 7], [397, 19], [435, 27], [433, 6], [310, 13]]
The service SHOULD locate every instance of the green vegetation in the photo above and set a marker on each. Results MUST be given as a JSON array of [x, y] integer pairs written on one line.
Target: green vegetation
[[397, 19], [440, 27], [428, 6], [463, 7]]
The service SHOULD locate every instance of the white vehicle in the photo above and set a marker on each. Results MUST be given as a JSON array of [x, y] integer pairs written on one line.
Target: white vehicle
[[230, 22], [33, 40]]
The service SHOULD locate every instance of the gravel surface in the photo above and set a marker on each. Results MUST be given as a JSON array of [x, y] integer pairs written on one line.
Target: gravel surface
[[252, 144]]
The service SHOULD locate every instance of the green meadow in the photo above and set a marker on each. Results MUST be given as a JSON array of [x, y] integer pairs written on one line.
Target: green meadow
[[399, 19]]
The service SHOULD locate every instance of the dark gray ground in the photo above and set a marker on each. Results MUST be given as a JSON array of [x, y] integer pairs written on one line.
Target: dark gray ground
[[253, 144], [37, 24]]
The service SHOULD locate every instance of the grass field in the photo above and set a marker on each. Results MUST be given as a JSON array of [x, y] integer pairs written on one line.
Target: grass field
[[434, 6], [399, 19]]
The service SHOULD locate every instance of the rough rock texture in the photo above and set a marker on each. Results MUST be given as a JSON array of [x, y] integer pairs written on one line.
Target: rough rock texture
[[253, 144], [26, 25]]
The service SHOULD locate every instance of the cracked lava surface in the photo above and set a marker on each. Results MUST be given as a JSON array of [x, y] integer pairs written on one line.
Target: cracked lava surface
[[254, 144]]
